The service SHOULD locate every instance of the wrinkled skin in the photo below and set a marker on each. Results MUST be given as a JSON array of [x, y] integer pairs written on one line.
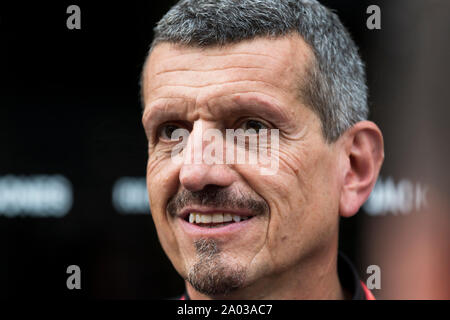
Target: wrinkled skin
[[290, 251]]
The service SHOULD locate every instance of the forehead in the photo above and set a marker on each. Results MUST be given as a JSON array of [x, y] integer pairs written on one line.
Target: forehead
[[275, 66]]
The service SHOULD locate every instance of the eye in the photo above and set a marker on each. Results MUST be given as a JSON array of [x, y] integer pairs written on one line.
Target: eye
[[253, 124], [166, 131]]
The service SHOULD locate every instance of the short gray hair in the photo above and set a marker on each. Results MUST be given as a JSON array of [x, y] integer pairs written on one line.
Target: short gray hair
[[336, 86]]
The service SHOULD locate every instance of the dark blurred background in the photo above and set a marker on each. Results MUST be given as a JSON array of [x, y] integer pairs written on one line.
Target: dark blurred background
[[73, 152]]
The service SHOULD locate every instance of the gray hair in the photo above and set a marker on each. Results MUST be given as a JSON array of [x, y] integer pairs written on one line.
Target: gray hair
[[336, 86]]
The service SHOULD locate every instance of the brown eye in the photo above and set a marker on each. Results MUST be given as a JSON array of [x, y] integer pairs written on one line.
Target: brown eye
[[166, 131], [253, 124]]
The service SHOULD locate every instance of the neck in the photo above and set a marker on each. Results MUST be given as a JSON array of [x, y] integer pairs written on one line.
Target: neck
[[314, 278]]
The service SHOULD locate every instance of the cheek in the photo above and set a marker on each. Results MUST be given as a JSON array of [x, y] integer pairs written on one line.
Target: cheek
[[162, 178], [162, 182], [302, 201], [283, 194]]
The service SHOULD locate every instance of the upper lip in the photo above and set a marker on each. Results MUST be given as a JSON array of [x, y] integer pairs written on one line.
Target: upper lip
[[210, 210]]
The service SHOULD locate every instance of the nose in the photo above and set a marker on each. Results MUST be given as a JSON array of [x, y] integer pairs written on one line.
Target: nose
[[195, 177], [196, 174]]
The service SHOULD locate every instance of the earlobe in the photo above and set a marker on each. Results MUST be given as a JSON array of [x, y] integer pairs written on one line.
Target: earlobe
[[364, 153]]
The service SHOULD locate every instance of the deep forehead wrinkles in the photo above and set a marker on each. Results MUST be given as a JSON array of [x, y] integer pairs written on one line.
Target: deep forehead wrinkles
[[205, 61], [270, 66], [245, 53], [278, 62]]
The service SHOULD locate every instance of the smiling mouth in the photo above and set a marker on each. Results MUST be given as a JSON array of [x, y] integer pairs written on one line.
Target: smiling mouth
[[214, 220]]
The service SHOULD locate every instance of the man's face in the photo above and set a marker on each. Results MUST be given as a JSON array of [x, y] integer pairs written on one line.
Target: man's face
[[286, 217]]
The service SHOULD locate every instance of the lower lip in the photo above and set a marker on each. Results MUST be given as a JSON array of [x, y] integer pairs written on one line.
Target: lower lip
[[196, 230]]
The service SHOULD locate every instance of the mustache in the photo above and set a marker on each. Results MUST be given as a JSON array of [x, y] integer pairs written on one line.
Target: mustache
[[216, 196]]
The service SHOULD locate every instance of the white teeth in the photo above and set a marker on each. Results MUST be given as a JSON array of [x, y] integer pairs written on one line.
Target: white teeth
[[215, 218], [206, 218]]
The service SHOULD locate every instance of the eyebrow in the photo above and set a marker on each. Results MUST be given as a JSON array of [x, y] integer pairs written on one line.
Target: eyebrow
[[162, 110], [239, 103], [264, 105]]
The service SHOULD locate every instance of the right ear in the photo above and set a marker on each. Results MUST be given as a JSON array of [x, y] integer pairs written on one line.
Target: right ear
[[364, 151]]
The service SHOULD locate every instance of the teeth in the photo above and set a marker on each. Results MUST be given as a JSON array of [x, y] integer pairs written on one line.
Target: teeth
[[214, 218], [217, 218], [206, 218]]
